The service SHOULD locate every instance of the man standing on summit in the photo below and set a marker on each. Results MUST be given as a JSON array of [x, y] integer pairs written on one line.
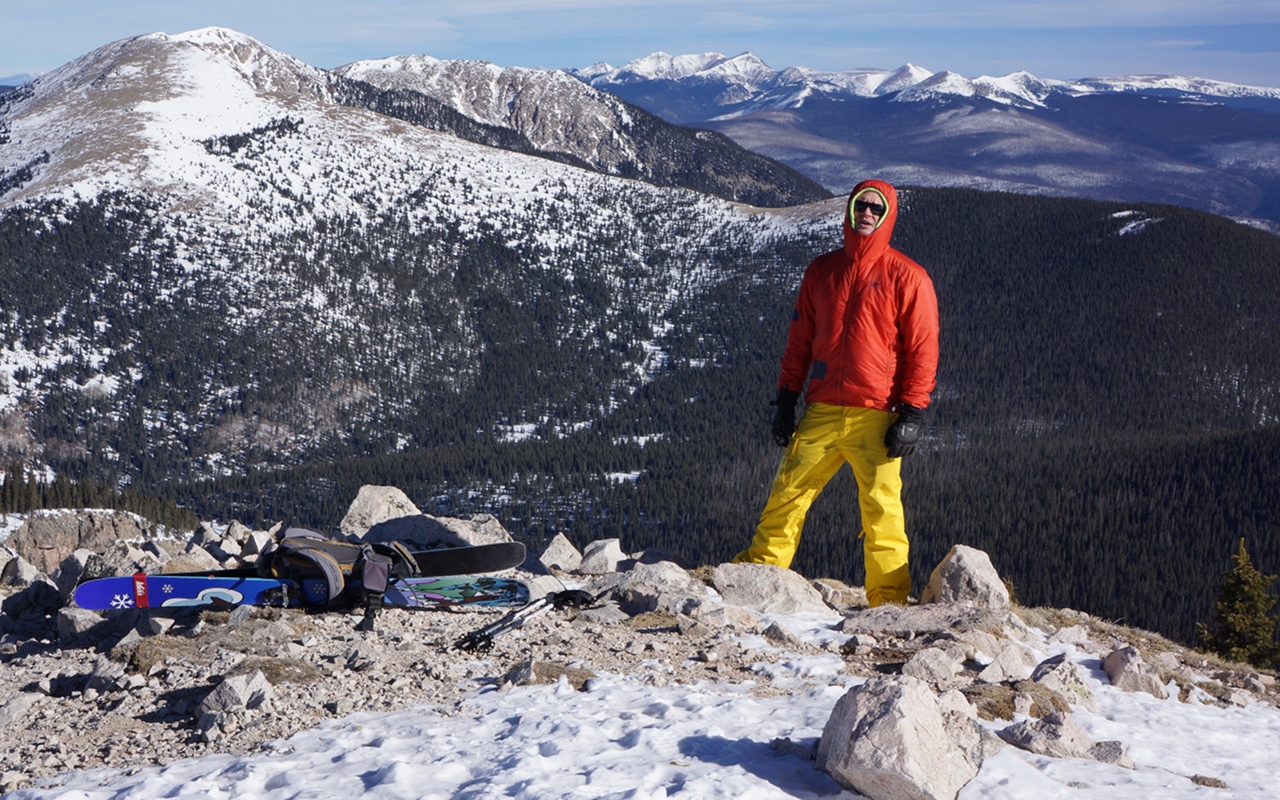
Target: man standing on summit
[[864, 334]]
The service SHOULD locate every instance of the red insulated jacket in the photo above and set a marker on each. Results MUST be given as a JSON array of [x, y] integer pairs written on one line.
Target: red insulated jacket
[[865, 327]]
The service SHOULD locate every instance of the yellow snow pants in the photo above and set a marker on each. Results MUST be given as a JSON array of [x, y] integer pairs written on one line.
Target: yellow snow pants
[[826, 437]]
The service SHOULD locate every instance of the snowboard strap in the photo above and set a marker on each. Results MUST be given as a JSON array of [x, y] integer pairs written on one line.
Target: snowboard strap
[[140, 597]]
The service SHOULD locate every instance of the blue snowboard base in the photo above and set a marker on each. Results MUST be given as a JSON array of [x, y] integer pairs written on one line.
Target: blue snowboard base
[[213, 591]]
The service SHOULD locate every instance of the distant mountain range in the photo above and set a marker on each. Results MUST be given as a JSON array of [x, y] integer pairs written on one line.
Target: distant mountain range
[[1157, 138]]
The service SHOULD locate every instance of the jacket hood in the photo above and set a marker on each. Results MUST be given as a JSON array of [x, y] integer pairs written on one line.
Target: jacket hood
[[874, 244]]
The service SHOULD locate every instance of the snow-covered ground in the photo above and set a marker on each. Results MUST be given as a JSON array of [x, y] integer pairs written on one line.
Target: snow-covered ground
[[626, 736]]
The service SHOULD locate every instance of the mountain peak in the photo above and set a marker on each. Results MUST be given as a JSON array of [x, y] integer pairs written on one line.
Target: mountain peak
[[663, 66], [126, 107]]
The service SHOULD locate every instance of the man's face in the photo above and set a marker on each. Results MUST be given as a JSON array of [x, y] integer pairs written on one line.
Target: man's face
[[866, 211]]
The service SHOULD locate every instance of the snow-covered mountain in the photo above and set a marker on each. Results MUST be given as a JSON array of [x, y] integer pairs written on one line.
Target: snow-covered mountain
[[561, 116], [1142, 137], [754, 85], [203, 195]]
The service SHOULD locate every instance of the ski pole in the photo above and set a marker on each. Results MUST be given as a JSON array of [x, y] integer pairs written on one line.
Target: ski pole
[[482, 639]]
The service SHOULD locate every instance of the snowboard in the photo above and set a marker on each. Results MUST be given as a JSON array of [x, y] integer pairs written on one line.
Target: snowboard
[[469, 560], [217, 590]]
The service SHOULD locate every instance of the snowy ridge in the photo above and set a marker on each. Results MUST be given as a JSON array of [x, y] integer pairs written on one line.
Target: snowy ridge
[[758, 86], [1174, 83], [556, 112], [145, 114]]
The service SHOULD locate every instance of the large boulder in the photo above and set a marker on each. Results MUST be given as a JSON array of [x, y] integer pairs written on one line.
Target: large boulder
[[602, 557], [46, 538], [425, 531], [767, 589], [966, 575], [374, 504], [892, 739]]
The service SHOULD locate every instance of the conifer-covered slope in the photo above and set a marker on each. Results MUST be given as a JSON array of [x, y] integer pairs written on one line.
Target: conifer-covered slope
[[1105, 423]]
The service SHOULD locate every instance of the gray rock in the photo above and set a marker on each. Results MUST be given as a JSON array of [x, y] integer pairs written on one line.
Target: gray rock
[[966, 575], [238, 693], [1060, 675], [782, 637], [73, 622], [105, 674], [717, 615], [1129, 672], [561, 554], [933, 666], [45, 539], [39, 598], [602, 557], [1057, 735], [13, 712], [18, 571], [1014, 663], [375, 504], [952, 619], [1077, 635], [237, 531], [767, 589], [363, 656], [254, 543], [889, 739], [69, 572], [193, 559], [658, 587], [1112, 752], [839, 596], [158, 626], [426, 531]]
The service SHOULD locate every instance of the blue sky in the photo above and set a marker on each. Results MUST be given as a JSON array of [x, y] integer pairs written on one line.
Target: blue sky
[[1229, 40]]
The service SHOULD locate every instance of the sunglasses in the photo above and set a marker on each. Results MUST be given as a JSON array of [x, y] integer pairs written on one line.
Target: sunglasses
[[866, 205]]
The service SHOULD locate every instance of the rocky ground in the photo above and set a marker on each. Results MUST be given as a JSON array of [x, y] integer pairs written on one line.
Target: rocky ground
[[132, 691], [125, 689]]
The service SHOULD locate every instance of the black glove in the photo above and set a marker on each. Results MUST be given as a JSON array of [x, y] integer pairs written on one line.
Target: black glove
[[784, 422], [905, 433]]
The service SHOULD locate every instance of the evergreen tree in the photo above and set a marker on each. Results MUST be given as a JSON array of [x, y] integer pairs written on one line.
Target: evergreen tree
[[1243, 630]]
